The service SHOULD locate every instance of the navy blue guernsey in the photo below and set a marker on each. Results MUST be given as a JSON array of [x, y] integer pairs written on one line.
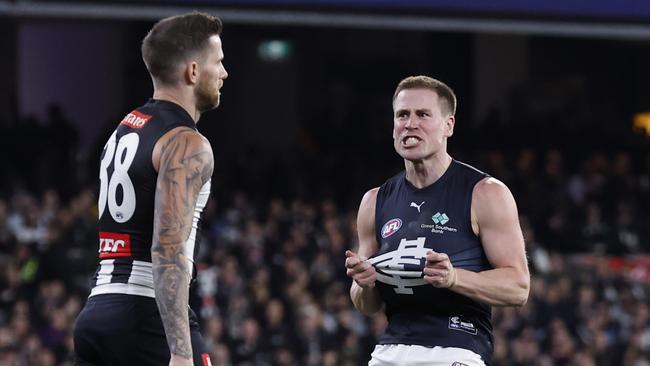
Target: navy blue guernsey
[[127, 196], [409, 222]]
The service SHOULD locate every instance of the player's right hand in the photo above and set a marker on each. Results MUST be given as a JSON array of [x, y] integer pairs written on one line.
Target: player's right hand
[[360, 270]]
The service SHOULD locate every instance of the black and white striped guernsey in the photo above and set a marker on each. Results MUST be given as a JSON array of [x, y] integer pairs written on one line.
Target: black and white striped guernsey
[[126, 200]]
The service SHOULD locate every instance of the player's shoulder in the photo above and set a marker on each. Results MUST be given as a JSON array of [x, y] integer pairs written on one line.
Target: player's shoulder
[[491, 190], [367, 208], [186, 142], [188, 135], [203, 138], [370, 195], [491, 184], [369, 201]]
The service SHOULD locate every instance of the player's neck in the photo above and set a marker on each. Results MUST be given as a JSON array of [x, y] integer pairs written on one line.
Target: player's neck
[[186, 102], [423, 173]]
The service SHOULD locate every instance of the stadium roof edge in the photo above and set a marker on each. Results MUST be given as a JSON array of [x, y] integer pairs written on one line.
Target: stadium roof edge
[[584, 29]]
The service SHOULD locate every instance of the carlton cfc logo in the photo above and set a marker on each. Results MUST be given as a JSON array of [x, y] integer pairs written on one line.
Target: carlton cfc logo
[[390, 227]]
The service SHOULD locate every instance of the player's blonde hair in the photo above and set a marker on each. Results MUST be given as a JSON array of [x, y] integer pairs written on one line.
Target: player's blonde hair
[[445, 93]]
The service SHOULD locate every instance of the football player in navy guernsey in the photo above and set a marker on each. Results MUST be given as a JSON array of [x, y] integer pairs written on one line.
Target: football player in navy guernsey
[[154, 182], [439, 243]]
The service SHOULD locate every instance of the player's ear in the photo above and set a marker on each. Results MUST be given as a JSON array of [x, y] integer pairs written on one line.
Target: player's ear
[[191, 73], [450, 122]]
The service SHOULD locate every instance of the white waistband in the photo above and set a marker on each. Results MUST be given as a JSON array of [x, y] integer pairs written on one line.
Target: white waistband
[[122, 288]]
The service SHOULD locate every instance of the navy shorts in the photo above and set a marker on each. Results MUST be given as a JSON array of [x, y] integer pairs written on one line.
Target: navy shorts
[[116, 330]]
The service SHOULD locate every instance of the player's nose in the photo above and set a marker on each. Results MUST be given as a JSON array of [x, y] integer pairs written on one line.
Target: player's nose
[[411, 122]]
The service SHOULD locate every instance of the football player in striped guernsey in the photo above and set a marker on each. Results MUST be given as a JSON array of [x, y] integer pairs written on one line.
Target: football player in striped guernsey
[[154, 182]]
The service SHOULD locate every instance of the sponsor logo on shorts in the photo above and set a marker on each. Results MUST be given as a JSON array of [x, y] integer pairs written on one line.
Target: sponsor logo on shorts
[[459, 364], [136, 119], [391, 227], [458, 323], [114, 245]]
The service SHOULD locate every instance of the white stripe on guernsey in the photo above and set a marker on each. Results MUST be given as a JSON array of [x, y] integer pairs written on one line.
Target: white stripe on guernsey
[[201, 201], [105, 270], [141, 274], [140, 280], [122, 288]]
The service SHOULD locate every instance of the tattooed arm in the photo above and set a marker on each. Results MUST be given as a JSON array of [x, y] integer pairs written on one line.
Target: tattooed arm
[[185, 165]]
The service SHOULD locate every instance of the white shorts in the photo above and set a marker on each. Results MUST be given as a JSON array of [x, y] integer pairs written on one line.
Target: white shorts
[[414, 355]]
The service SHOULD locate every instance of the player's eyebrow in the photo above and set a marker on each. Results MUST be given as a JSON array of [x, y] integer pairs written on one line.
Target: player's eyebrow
[[401, 111]]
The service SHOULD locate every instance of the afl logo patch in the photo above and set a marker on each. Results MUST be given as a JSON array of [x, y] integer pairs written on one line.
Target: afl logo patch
[[391, 227]]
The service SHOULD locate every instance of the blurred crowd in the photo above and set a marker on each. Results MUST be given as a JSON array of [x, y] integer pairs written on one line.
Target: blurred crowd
[[271, 286]]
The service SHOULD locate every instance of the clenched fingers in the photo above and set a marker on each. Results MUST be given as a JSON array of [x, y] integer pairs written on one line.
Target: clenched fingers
[[366, 278], [360, 270], [435, 258], [439, 271], [358, 266]]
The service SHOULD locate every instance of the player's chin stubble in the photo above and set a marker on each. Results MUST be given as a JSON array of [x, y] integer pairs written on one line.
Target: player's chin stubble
[[207, 97]]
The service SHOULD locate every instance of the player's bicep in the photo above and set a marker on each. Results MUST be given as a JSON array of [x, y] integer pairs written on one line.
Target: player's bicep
[[186, 161], [366, 224], [186, 164], [499, 230]]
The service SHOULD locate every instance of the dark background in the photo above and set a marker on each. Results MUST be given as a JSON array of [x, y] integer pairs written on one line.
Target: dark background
[[328, 99]]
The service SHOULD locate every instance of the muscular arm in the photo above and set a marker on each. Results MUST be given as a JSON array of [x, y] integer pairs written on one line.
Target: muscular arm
[[365, 298], [186, 163], [494, 212]]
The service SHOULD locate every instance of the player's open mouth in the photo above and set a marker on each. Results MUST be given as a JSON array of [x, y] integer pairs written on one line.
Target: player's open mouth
[[409, 141]]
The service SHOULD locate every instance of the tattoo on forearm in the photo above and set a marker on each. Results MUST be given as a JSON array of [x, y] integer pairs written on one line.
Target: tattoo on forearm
[[183, 171]]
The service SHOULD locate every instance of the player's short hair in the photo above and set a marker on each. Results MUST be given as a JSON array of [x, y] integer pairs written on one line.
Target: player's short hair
[[445, 93], [173, 40]]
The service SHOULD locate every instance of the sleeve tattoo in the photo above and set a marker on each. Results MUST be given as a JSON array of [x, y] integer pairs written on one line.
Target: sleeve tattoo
[[185, 166]]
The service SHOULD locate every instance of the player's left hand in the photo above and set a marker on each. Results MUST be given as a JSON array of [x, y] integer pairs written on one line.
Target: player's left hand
[[176, 360], [438, 271]]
